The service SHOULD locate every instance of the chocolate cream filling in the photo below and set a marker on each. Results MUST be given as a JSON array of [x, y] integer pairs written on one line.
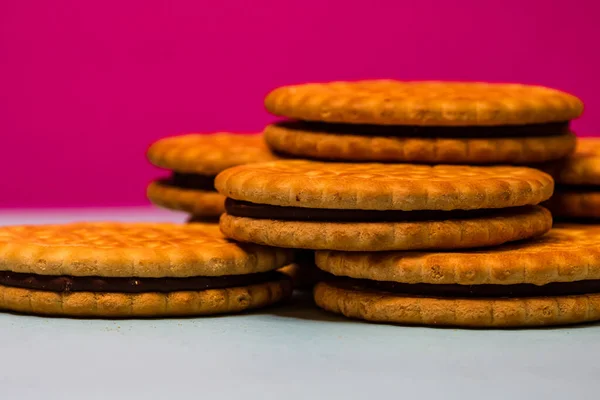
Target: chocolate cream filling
[[190, 181], [470, 291], [577, 188], [501, 131], [61, 284], [238, 208]]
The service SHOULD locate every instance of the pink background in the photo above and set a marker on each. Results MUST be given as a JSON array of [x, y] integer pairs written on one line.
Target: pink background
[[85, 86]]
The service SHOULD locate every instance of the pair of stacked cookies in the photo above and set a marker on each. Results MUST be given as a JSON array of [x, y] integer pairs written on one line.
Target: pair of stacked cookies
[[194, 160], [390, 234]]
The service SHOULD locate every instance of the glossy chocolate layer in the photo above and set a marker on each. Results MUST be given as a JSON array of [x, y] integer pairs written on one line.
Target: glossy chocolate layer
[[239, 208], [191, 181], [550, 129], [62, 284], [471, 291]]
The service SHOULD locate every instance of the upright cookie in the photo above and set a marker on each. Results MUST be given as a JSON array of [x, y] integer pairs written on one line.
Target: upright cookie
[[135, 270], [195, 160], [550, 280], [424, 122], [578, 182], [375, 207]]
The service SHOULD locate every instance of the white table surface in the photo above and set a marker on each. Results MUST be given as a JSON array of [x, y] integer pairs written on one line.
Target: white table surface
[[290, 352]]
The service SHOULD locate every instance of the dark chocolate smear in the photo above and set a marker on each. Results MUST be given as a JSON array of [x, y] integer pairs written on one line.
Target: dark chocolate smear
[[576, 188], [238, 208], [501, 131], [190, 181], [470, 291], [62, 284]]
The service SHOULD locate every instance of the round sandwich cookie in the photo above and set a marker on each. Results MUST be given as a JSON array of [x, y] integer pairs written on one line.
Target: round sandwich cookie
[[135, 270], [577, 177], [550, 280], [195, 160], [376, 207], [423, 122]]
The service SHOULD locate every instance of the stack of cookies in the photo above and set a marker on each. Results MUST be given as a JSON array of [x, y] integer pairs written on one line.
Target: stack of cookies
[[416, 200], [577, 195], [550, 280], [195, 160], [422, 213], [423, 122]]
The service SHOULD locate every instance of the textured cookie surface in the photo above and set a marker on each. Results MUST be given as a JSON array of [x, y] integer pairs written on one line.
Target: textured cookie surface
[[582, 168], [208, 154], [501, 313], [200, 203], [381, 236], [569, 252], [423, 103], [326, 146], [384, 186], [573, 204], [131, 250], [86, 304]]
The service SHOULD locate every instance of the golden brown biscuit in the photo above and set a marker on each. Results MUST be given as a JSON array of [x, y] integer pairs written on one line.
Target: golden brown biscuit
[[567, 204], [389, 102], [568, 253], [148, 250], [404, 187], [135, 269], [464, 312], [510, 225], [582, 168], [199, 203], [577, 195], [323, 145], [208, 154], [126, 305]]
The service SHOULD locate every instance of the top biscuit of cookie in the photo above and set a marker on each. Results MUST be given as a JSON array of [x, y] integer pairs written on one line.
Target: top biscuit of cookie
[[208, 154], [384, 186], [389, 102], [568, 253], [581, 168], [149, 250]]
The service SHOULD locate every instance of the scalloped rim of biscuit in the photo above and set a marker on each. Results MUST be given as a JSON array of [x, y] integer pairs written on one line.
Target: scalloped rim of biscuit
[[264, 183], [385, 236], [349, 102], [184, 154], [90, 304], [216, 256], [481, 151], [475, 313], [477, 267]]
